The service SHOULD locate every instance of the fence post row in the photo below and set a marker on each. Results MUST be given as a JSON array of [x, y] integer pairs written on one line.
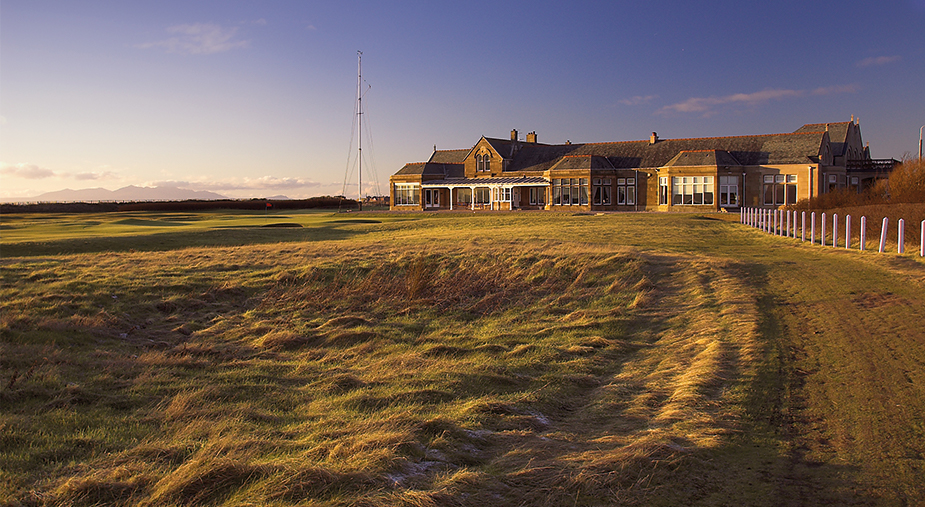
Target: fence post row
[[784, 223]]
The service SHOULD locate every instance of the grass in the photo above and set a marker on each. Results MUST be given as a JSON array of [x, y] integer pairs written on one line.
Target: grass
[[453, 359]]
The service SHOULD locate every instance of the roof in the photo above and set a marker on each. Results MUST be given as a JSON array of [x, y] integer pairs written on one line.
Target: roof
[[449, 156], [691, 158], [582, 162], [802, 146], [745, 150], [445, 170], [838, 134]]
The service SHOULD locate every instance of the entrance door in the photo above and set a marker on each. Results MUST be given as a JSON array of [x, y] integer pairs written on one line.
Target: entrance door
[[431, 198]]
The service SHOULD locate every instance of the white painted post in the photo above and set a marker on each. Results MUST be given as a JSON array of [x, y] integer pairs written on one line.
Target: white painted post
[[835, 230], [822, 237], [863, 233], [901, 237], [787, 227], [803, 226], [773, 221], [922, 240], [847, 232], [812, 231], [794, 224], [883, 234]]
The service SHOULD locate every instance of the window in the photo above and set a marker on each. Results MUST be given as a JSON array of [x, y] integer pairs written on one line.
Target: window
[[663, 190], [482, 195], [483, 162], [537, 196], [570, 191], [780, 189], [626, 191], [692, 190], [601, 191], [502, 194], [833, 182], [728, 190], [407, 194], [464, 195]]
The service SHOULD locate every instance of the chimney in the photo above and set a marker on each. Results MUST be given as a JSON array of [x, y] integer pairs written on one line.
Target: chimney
[[653, 138], [531, 137], [514, 135]]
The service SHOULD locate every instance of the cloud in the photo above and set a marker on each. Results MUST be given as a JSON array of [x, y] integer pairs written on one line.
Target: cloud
[[199, 39], [94, 175], [707, 105], [262, 183], [877, 60], [26, 171], [638, 100], [833, 90]]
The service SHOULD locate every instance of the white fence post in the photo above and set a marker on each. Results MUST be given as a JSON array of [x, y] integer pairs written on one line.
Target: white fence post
[[883, 227], [787, 228], [901, 237], [794, 224], [847, 232], [922, 240], [803, 226], [812, 231], [822, 237], [835, 230], [863, 233]]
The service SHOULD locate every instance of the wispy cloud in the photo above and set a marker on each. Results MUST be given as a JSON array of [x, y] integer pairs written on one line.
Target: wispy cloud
[[877, 60], [199, 39], [707, 106], [638, 100], [26, 171]]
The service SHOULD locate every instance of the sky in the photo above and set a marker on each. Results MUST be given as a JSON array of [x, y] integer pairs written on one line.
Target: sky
[[257, 99]]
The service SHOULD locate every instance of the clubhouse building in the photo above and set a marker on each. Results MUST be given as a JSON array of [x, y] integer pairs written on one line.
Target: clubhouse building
[[700, 174]]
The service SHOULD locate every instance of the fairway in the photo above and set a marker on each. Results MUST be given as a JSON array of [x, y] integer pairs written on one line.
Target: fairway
[[453, 359]]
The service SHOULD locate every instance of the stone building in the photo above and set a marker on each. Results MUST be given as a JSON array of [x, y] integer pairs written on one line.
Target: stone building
[[699, 174]]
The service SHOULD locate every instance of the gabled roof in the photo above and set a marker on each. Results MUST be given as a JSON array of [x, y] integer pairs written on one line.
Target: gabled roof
[[838, 134], [692, 158]]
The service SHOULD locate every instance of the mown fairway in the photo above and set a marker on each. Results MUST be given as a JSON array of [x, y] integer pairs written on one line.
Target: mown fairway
[[454, 359]]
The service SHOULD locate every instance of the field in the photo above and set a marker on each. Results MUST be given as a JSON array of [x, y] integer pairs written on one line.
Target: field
[[453, 359]]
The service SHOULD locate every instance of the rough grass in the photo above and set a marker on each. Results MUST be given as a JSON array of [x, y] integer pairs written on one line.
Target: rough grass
[[509, 359]]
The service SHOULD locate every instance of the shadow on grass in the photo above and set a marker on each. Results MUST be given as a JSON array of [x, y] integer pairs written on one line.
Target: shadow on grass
[[216, 237], [770, 456]]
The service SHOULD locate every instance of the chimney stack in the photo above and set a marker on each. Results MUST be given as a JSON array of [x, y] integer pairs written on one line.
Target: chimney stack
[[653, 138], [514, 135], [531, 137]]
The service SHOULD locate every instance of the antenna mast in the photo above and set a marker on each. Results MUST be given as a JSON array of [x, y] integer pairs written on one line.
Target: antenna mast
[[360, 128]]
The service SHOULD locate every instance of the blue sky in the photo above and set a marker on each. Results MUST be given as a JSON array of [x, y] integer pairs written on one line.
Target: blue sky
[[253, 99]]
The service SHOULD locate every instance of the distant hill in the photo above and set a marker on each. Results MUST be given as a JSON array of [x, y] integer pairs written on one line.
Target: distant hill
[[129, 193]]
